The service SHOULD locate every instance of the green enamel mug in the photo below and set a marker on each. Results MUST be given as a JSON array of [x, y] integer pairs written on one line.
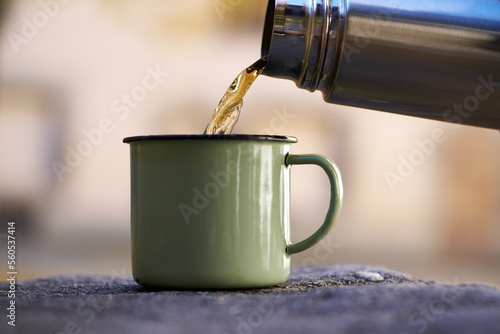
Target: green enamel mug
[[213, 212]]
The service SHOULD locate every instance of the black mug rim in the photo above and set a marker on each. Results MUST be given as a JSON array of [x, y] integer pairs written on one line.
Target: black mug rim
[[272, 138]]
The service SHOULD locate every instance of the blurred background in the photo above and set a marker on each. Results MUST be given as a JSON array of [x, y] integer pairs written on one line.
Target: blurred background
[[72, 87]]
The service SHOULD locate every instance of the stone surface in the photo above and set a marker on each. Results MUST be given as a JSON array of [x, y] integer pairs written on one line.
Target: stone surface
[[327, 299]]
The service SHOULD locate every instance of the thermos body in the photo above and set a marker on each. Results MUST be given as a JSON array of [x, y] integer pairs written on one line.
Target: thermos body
[[430, 59]]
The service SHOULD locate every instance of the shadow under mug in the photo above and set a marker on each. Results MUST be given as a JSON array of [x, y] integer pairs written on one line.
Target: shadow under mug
[[213, 212]]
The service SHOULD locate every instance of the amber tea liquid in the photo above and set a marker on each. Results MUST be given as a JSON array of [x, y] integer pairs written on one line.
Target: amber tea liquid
[[228, 111]]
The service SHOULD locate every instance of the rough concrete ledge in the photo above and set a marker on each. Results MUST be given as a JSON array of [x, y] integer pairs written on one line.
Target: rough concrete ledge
[[327, 299]]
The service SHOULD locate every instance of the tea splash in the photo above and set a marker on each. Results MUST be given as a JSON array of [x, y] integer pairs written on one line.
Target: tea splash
[[228, 111]]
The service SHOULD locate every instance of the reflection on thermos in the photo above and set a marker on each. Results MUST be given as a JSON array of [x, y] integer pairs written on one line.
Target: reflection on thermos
[[426, 58]]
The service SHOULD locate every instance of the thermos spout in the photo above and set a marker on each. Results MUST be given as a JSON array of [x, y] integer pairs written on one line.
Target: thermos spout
[[301, 38], [431, 59]]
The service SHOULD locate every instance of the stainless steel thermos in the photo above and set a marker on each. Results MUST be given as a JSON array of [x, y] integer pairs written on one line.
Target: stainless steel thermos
[[437, 59]]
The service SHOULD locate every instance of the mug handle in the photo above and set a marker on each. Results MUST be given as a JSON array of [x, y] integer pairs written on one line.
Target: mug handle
[[336, 198]]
